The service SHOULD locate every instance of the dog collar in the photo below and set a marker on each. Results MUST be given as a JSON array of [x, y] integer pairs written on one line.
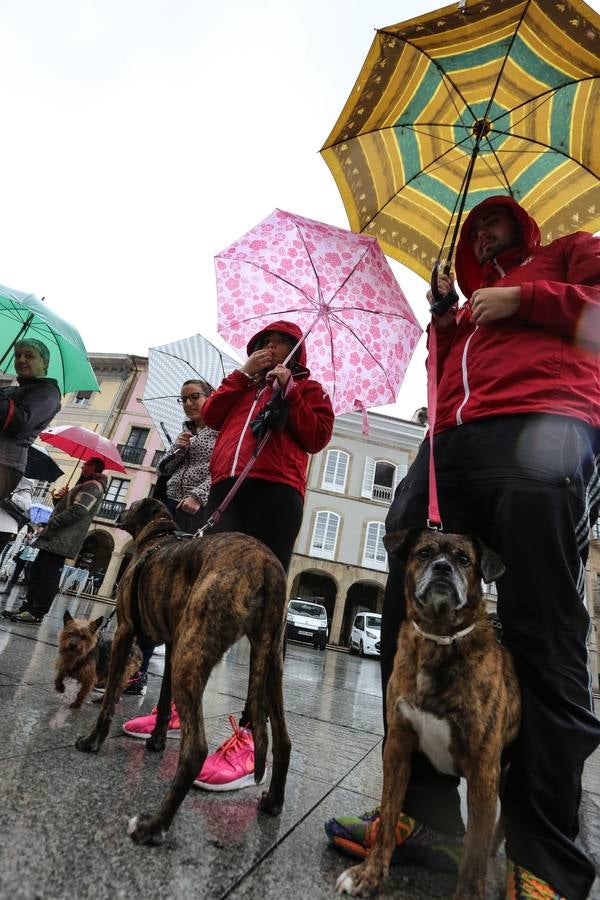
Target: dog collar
[[443, 638]]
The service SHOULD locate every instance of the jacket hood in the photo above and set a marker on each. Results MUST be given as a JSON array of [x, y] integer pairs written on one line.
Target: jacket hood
[[471, 274], [93, 476], [284, 327]]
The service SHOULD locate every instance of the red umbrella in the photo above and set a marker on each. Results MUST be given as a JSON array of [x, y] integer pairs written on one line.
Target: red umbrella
[[84, 444]]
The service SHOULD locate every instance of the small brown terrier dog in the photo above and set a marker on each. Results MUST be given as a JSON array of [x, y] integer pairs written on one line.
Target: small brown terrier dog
[[86, 659], [453, 695]]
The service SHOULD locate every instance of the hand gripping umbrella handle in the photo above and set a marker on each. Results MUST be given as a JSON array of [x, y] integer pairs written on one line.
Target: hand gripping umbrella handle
[[441, 302]]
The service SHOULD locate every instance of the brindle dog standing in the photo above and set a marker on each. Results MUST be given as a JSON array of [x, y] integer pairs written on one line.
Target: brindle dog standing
[[453, 695], [198, 596]]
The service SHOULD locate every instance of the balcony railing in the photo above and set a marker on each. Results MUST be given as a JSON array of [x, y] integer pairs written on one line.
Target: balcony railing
[[381, 492], [110, 509], [133, 455]]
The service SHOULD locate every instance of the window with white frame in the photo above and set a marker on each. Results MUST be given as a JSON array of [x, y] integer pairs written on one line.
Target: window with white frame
[[336, 469], [374, 553], [117, 490], [325, 532], [380, 479]]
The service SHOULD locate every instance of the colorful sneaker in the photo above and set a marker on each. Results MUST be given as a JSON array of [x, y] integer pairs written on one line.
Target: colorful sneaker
[[142, 726], [231, 766], [415, 843], [26, 618], [137, 685], [521, 884]]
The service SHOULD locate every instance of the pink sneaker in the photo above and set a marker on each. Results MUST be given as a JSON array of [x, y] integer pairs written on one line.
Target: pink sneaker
[[143, 726], [231, 766]]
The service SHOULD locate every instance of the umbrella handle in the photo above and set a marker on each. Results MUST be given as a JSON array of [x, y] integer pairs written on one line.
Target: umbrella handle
[[441, 302]]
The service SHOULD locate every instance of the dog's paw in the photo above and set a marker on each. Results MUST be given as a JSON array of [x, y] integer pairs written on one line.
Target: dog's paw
[[345, 883], [357, 882], [85, 745], [141, 830], [155, 744], [270, 806]]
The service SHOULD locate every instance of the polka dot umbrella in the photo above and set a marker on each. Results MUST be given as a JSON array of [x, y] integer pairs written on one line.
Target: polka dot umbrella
[[359, 329]]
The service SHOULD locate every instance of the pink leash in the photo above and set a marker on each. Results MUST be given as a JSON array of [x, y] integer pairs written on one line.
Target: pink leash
[[434, 520]]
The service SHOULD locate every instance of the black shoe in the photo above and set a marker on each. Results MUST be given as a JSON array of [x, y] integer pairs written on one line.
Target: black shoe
[[136, 685], [9, 613], [26, 618]]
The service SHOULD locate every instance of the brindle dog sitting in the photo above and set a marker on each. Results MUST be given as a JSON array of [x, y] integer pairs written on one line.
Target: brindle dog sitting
[[453, 695], [198, 596]]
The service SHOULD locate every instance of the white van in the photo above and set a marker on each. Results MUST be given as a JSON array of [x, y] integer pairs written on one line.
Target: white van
[[365, 636], [307, 621]]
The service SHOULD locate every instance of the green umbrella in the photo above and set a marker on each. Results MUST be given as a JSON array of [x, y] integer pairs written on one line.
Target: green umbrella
[[24, 316]]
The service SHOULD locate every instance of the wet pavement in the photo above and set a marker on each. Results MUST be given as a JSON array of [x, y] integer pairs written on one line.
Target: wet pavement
[[64, 814]]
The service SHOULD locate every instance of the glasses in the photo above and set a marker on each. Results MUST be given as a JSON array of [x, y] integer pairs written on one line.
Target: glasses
[[195, 396]]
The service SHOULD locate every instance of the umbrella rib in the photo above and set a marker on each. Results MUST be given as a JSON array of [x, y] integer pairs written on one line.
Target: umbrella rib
[[531, 140], [181, 359], [369, 353], [444, 75], [310, 259], [544, 97], [273, 274], [524, 12]]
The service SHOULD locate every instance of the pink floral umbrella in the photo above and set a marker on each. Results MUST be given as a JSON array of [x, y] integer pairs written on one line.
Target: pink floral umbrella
[[337, 286]]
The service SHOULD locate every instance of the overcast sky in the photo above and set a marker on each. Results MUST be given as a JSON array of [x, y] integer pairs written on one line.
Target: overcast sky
[[143, 136]]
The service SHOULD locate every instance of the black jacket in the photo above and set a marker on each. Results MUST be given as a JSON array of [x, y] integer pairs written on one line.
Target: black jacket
[[25, 410]]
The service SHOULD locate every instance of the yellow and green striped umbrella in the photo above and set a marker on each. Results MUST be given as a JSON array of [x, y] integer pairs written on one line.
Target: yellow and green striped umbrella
[[476, 99]]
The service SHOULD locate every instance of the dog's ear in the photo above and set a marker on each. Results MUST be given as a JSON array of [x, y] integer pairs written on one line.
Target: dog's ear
[[398, 543], [492, 566], [67, 617], [95, 625]]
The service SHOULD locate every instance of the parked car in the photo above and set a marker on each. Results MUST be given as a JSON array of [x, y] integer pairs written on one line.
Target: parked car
[[365, 636], [307, 622]]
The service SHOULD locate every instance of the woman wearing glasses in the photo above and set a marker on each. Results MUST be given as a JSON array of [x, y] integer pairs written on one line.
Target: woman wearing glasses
[[186, 468], [186, 464]]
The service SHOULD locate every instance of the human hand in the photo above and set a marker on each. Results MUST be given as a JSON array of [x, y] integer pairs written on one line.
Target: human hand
[[60, 492], [189, 505], [494, 303], [280, 373], [258, 361], [182, 441]]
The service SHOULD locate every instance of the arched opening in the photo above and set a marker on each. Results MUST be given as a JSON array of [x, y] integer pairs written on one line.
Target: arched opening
[[95, 554], [362, 595], [316, 587]]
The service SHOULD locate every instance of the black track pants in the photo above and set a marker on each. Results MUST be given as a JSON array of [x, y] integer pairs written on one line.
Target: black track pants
[[43, 584], [528, 486]]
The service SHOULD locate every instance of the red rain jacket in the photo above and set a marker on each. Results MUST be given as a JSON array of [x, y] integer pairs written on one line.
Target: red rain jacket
[[284, 458], [543, 359]]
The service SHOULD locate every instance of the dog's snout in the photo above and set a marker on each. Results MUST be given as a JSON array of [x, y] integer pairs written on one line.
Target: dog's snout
[[442, 567]]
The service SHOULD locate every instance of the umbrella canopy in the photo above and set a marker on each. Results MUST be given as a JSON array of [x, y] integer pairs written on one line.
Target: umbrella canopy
[[169, 365], [472, 100], [41, 466], [84, 444], [23, 316], [338, 288], [39, 513]]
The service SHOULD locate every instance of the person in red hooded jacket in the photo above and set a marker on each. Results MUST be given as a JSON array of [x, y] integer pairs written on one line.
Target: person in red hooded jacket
[[517, 443], [269, 503]]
